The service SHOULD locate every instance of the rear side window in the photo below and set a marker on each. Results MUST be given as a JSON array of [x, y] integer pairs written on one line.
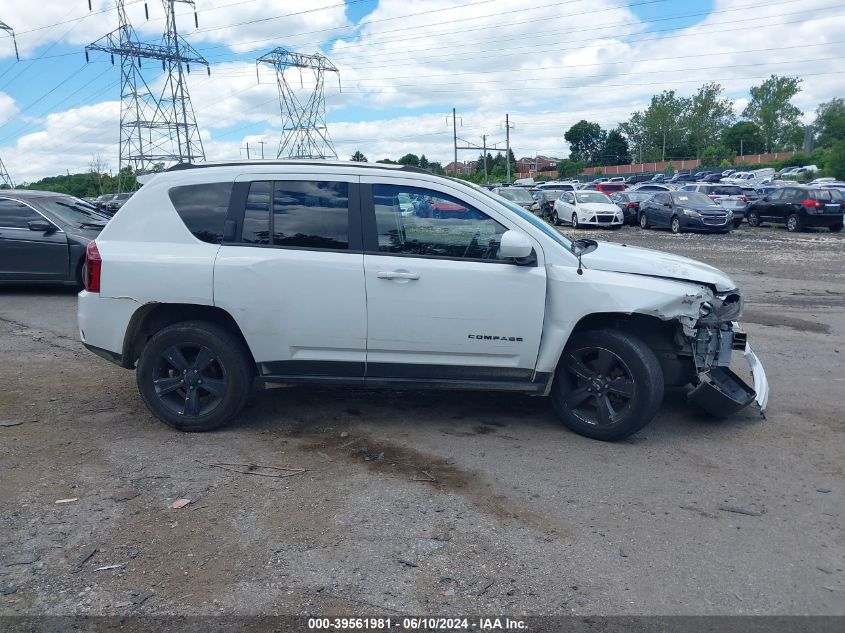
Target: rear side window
[[297, 214], [203, 208]]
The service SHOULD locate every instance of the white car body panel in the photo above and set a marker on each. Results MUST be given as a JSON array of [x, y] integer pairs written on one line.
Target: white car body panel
[[103, 321], [587, 212]]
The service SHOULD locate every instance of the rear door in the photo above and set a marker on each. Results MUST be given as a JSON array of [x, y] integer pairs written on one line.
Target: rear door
[[293, 274], [441, 304], [26, 254]]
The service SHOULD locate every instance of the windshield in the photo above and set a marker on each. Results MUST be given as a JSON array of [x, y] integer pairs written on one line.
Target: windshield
[[693, 197], [72, 210], [534, 220], [516, 195], [591, 197]]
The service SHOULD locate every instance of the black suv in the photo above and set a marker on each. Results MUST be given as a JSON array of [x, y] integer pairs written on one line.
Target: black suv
[[799, 208]]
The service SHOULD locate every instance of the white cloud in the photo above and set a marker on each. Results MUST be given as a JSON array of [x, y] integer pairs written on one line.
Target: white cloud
[[547, 64]]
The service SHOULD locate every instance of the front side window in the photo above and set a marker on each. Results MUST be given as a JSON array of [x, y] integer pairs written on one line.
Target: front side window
[[203, 208], [439, 226], [16, 215]]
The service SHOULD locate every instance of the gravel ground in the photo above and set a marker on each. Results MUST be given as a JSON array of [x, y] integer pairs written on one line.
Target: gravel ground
[[690, 516]]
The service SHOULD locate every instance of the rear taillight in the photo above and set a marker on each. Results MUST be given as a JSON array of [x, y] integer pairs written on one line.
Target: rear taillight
[[817, 204], [743, 199], [632, 205], [714, 198], [93, 266]]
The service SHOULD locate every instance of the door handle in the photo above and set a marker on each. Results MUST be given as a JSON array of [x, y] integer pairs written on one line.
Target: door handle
[[398, 274]]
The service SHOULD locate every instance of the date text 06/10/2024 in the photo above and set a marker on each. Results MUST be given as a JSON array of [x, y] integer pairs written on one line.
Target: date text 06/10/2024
[[416, 624]]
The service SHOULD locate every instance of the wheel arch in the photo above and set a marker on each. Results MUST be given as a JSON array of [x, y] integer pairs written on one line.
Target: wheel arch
[[660, 335], [153, 317]]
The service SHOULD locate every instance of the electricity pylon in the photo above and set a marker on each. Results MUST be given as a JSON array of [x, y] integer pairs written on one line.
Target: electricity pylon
[[5, 178], [154, 128], [304, 130]]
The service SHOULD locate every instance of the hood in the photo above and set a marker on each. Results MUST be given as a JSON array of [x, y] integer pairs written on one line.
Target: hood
[[599, 207], [643, 261], [706, 209]]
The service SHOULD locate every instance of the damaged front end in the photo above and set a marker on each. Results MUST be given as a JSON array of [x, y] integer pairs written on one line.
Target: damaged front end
[[711, 339]]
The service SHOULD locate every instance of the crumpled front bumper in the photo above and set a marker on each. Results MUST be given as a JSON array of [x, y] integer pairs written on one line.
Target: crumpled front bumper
[[720, 391]]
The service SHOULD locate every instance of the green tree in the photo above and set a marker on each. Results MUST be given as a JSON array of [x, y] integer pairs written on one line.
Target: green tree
[[586, 141], [835, 160], [634, 131], [707, 114], [410, 159], [744, 137], [615, 150], [772, 110], [567, 168], [387, 161], [830, 122], [423, 162], [715, 155], [358, 157], [659, 131]]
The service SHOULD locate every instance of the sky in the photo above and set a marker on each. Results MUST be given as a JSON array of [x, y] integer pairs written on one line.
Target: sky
[[403, 66]]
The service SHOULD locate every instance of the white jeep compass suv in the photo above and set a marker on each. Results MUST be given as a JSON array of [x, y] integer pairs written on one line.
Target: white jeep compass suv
[[215, 277]]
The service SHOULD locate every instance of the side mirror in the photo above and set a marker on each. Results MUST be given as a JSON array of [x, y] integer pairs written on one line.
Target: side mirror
[[42, 226], [515, 244]]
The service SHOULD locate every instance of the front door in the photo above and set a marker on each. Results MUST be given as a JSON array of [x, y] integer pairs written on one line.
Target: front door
[[292, 275], [441, 304], [27, 254]]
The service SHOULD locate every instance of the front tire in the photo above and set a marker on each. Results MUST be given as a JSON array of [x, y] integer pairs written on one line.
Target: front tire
[[793, 223], [575, 221], [675, 225], [643, 221], [194, 376], [608, 385], [753, 218]]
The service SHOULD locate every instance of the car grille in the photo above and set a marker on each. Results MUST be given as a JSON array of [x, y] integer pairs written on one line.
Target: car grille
[[714, 220], [605, 217]]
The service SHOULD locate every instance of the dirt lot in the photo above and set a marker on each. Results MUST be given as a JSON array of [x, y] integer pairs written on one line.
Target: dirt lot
[[524, 517]]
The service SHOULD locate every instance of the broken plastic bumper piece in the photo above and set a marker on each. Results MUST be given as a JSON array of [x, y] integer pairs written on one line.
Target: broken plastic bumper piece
[[722, 393]]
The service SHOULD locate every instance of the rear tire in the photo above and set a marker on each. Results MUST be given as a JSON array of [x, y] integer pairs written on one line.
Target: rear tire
[[793, 223], [555, 218], [737, 223], [608, 385], [836, 228], [194, 376]]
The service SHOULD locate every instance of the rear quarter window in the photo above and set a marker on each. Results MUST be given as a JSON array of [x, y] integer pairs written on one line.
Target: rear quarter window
[[203, 208]]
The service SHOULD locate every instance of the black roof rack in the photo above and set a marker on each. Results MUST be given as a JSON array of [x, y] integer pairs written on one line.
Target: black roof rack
[[409, 168]]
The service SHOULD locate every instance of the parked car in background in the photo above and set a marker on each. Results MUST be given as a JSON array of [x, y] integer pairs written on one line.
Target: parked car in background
[[43, 236], [648, 186], [716, 177], [659, 178], [681, 211], [101, 201], [629, 202], [606, 187], [731, 197], [587, 208], [728, 172], [519, 195], [632, 180], [545, 201], [680, 178], [118, 201], [799, 207]]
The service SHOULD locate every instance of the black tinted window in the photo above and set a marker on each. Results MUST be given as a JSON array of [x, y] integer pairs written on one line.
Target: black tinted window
[[257, 214], [727, 190], [203, 208], [310, 214], [14, 214]]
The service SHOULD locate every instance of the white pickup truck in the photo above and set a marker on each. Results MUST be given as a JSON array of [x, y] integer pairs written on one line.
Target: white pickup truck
[[214, 278]]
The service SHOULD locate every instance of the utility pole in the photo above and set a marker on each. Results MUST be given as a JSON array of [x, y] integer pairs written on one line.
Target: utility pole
[[304, 130], [5, 179], [262, 148], [508, 127], [153, 129], [455, 118], [247, 150], [740, 148], [484, 153]]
